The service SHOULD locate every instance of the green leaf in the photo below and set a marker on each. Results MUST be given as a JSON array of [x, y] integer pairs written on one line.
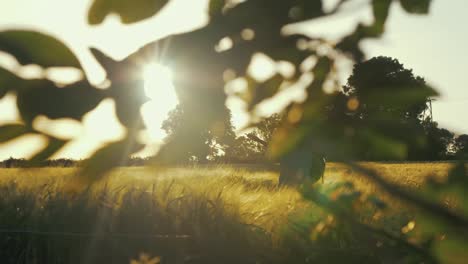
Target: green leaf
[[7, 81], [402, 96], [265, 90], [30, 47], [216, 7], [107, 158], [129, 11], [380, 9], [53, 146], [129, 97], [385, 147], [416, 6], [43, 97], [11, 131], [451, 250], [350, 43]]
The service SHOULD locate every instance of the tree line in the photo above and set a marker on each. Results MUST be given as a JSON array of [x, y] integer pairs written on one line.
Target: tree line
[[371, 93]]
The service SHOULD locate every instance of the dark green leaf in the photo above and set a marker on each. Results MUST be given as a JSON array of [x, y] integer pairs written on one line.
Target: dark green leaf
[[108, 157], [53, 146], [129, 11], [43, 97], [265, 90], [8, 80], [416, 6], [350, 43], [216, 7], [402, 96], [12, 131], [30, 47], [384, 147], [380, 9]]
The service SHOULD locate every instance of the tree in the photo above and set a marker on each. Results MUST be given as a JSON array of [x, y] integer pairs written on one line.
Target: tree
[[375, 92], [439, 141], [252, 146], [378, 83], [188, 141], [460, 146]]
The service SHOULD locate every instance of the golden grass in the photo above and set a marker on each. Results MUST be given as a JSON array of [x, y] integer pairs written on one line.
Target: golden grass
[[228, 212], [252, 194]]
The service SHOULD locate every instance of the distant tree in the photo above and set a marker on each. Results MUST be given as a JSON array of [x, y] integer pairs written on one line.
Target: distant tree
[[188, 141], [439, 141], [252, 146], [375, 90], [460, 146], [378, 85], [264, 131]]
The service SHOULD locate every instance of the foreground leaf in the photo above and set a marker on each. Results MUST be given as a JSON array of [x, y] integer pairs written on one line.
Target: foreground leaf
[[416, 6], [30, 47], [11, 131], [107, 158], [53, 146], [42, 97], [7, 81], [129, 11]]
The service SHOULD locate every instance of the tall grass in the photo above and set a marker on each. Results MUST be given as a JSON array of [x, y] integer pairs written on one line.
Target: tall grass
[[184, 215]]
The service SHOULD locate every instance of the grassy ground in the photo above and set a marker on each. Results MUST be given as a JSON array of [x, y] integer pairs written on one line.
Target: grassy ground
[[218, 214]]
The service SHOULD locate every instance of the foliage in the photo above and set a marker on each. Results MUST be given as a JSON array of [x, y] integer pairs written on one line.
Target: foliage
[[461, 146], [258, 26], [188, 141], [251, 147], [382, 90], [381, 86]]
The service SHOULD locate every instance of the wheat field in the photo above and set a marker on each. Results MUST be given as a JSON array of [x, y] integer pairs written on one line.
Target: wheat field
[[215, 214]]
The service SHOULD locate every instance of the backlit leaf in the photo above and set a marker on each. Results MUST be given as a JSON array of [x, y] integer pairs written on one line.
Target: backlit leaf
[[108, 157], [129, 11], [53, 146], [11, 131], [43, 97], [416, 6], [30, 47], [8, 80], [265, 90]]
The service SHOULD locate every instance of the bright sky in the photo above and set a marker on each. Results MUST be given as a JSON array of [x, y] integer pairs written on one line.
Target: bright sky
[[431, 45]]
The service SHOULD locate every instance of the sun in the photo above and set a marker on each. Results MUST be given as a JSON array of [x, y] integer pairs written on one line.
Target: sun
[[163, 98]]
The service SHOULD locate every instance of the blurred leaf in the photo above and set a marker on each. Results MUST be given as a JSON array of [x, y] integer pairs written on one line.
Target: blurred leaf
[[7, 81], [11, 131], [129, 97], [129, 11], [416, 6], [310, 8], [108, 157], [106, 62], [377, 202], [380, 9], [53, 146], [286, 139], [216, 7], [43, 97], [264, 90], [384, 147], [399, 96], [452, 251], [30, 47], [127, 86], [350, 43]]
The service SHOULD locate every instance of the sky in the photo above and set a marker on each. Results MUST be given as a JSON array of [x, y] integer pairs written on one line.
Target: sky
[[433, 46]]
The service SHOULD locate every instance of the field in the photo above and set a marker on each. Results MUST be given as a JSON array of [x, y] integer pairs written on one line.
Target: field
[[220, 214]]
